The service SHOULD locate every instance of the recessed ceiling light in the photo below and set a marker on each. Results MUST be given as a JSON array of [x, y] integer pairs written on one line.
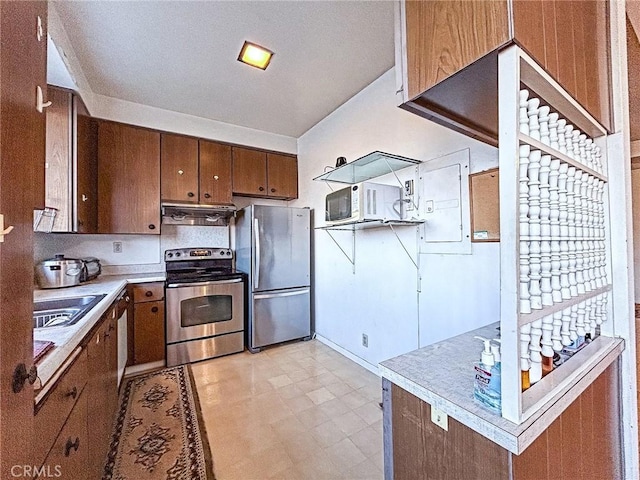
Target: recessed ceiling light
[[255, 55]]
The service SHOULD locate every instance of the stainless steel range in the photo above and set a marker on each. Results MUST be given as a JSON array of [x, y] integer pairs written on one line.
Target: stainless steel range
[[205, 304]]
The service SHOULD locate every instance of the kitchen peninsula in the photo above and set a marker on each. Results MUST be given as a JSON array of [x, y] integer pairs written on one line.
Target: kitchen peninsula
[[437, 381]]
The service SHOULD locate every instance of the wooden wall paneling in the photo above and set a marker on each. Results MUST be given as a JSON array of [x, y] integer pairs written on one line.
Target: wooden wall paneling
[[581, 43], [583, 443], [249, 171], [588, 412], [445, 36], [422, 450], [179, 168], [550, 45], [282, 175], [58, 171], [528, 22], [129, 179], [554, 444], [86, 168], [572, 452], [22, 157], [607, 429], [215, 173], [564, 42], [533, 463]]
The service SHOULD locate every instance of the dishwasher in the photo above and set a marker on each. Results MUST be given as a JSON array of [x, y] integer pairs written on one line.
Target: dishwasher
[[122, 307]]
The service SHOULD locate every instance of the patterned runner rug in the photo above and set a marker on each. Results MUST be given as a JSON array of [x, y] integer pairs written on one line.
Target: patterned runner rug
[[159, 433]]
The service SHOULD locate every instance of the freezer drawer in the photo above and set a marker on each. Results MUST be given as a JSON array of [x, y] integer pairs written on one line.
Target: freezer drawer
[[280, 316]]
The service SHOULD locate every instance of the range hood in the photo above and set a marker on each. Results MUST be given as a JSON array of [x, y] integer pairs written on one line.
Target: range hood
[[190, 214]]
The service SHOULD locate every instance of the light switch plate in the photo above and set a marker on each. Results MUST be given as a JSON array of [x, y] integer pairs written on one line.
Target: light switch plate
[[440, 418]]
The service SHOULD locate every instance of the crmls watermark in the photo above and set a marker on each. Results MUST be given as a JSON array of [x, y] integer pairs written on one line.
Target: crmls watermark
[[31, 471]]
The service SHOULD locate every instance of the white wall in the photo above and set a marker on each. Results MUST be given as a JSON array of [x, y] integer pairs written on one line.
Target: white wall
[[145, 116], [458, 292], [140, 253]]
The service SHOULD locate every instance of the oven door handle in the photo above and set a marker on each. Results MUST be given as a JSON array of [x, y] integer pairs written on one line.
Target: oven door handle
[[204, 284], [256, 277]]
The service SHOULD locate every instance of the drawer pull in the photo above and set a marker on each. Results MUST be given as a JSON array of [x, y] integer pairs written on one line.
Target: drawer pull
[[111, 327], [73, 393], [154, 309], [148, 293], [107, 334], [69, 445]]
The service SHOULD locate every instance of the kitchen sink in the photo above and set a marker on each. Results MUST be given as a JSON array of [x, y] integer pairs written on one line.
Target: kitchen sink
[[62, 312]]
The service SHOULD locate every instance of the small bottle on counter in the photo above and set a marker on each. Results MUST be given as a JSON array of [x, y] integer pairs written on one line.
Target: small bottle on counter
[[487, 390]]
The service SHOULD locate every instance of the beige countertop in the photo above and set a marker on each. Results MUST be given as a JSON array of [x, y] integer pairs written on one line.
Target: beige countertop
[[442, 376], [67, 339]]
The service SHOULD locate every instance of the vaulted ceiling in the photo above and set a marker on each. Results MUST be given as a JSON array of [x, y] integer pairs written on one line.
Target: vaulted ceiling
[[181, 55]]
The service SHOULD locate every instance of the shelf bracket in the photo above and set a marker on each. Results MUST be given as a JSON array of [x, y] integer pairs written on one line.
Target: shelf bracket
[[352, 257], [415, 262]]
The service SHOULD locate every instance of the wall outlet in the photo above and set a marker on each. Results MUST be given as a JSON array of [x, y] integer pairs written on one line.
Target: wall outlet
[[365, 340], [440, 418], [117, 247]]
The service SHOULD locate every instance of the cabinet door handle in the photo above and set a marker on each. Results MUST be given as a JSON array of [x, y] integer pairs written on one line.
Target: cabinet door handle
[[190, 194], [69, 445], [21, 376], [73, 393], [273, 190], [152, 227], [148, 293], [261, 189], [154, 309], [206, 195]]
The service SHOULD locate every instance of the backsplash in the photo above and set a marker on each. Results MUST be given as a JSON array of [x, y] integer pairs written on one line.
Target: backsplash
[[140, 253]]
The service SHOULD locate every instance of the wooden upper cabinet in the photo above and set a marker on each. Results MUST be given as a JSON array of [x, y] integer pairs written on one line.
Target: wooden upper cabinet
[[59, 161], [445, 36], [448, 55], [86, 134], [282, 176], [179, 168], [249, 172], [71, 167], [262, 174], [129, 179], [215, 173], [570, 40]]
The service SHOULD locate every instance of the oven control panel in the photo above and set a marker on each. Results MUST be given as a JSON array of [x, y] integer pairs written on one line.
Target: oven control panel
[[182, 254]]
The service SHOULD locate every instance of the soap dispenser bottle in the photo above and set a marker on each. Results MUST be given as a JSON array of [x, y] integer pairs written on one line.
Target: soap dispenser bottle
[[487, 379]]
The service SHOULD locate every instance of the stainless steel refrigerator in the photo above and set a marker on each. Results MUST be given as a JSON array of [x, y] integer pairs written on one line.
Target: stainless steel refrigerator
[[273, 247]]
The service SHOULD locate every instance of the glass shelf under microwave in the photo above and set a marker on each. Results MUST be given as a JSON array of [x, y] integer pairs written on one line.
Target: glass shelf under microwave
[[362, 224], [365, 168]]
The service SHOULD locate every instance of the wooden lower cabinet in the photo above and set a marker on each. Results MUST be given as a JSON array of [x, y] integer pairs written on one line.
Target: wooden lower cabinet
[[69, 456], [583, 443], [149, 332], [148, 340], [102, 391]]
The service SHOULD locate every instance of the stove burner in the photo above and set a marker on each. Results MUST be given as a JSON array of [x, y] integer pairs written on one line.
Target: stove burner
[[192, 265]]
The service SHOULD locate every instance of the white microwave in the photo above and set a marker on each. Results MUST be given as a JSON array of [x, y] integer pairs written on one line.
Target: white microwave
[[364, 201]]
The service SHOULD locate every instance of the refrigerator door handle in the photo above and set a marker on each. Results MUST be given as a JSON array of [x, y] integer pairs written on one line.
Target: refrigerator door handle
[[280, 295], [256, 277]]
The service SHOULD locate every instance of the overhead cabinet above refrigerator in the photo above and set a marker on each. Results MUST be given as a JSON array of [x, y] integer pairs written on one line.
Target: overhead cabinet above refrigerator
[[273, 247]]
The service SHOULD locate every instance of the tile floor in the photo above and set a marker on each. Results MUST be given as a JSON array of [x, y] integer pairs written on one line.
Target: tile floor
[[297, 411]]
